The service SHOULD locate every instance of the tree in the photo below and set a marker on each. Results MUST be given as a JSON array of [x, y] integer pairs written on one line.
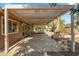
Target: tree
[[57, 25], [39, 28], [76, 10], [60, 23], [52, 4]]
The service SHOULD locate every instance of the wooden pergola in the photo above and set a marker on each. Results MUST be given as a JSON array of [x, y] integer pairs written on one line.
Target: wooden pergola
[[38, 15]]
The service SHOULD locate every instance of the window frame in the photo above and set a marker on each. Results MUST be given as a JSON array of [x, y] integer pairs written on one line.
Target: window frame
[[17, 30]]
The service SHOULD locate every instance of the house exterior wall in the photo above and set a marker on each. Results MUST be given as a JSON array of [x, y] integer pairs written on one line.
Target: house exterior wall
[[1, 36], [13, 37]]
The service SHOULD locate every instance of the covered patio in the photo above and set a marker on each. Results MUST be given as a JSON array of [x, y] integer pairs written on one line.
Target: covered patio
[[38, 16]]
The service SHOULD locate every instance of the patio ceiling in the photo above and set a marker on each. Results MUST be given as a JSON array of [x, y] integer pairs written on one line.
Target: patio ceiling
[[40, 15]]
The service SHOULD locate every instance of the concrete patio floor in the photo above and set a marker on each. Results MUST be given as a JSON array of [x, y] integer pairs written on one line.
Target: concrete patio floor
[[39, 44], [35, 45]]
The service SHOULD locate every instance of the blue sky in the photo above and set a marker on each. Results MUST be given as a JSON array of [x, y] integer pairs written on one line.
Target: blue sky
[[65, 17]]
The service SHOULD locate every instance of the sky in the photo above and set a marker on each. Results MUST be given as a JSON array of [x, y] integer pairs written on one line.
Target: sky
[[66, 17]]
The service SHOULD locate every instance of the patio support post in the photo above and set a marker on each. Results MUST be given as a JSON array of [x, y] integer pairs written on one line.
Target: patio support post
[[6, 29], [72, 34]]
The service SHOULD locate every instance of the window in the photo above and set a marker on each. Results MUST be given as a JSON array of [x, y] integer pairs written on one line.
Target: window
[[14, 29], [12, 26], [3, 25], [9, 26]]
